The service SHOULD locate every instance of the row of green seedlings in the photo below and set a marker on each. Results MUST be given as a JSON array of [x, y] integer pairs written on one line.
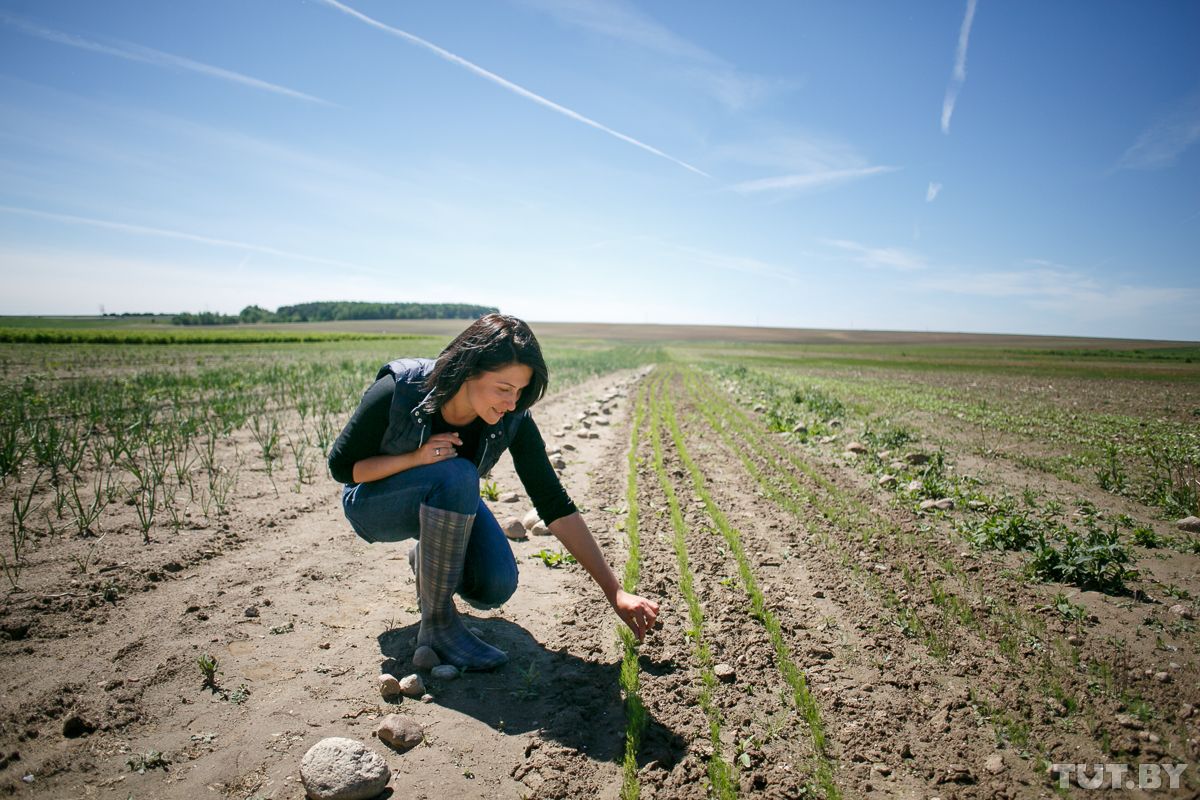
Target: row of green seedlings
[[720, 774], [1155, 461], [1013, 630], [149, 457], [1091, 557], [937, 639], [789, 671], [635, 711]]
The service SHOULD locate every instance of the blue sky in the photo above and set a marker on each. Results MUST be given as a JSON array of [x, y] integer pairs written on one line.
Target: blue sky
[[1019, 167]]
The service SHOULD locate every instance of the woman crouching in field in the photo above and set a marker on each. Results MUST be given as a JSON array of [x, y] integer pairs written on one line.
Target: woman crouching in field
[[411, 458]]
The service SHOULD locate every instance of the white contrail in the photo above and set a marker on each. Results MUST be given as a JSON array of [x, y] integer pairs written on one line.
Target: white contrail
[[960, 67], [146, 55], [512, 87], [808, 180], [190, 237]]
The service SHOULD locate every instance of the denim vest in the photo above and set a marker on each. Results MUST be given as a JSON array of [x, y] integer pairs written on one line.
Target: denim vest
[[409, 423]]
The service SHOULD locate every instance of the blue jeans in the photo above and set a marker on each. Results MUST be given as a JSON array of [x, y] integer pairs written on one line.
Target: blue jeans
[[387, 510]]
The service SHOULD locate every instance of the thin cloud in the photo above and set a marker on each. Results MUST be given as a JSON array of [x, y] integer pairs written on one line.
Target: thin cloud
[[512, 87], [189, 237], [808, 180], [1064, 291], [742, 264], [959, 75], [932, 192], [146, 55], [620, 21], [1161, 143], [879, 257]]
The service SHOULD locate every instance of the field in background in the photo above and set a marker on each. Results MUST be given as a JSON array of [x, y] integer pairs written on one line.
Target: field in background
[[967, 542]]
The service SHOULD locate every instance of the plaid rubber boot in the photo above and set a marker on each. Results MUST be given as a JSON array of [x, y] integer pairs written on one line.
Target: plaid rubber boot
[[444, 536]]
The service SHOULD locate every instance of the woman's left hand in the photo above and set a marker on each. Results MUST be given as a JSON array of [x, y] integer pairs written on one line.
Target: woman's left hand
[[637, 612]]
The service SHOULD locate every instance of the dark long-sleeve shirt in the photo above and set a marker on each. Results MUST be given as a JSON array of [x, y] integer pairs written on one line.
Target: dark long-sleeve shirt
[[361, 438]]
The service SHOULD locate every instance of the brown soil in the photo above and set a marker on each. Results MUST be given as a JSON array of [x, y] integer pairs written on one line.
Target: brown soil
[[90, 682]]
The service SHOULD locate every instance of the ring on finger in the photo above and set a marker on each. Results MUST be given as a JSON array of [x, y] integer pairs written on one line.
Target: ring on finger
[[437, 452]]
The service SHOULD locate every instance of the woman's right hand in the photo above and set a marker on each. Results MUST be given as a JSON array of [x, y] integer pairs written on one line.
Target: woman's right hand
[[440, 447]]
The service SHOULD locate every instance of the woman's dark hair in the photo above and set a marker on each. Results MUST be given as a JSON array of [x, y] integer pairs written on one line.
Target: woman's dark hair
[[491, 343]]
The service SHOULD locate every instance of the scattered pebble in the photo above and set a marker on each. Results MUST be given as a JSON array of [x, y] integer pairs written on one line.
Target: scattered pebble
[[531, 519], [509, 497], [1162, 677], [1073, 639], [1129, 721], [424, 659], [568, 446], [799, 427], [323, 645], [1182, 611], [583, 434], [426, 698], [540, 529], [887, 481], [445, 672], [818, 593], [343, 769], [252, 611], [388, 685], [857, 448], [917, 458], [412, 685], [513, 528], [1185, 711], [995, 764], [400, 731], [725, 673], [1189, 524]]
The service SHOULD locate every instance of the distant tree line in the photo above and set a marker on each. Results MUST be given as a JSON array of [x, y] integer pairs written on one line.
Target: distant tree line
[[336, 312]]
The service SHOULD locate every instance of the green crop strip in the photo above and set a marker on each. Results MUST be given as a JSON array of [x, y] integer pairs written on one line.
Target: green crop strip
[[635, 712], [719, 771], [787, 667]]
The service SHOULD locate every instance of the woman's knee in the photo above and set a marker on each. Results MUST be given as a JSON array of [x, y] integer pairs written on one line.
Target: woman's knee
[[457, 488], [496, 585]]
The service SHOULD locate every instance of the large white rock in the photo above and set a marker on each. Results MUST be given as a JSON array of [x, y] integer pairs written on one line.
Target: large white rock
[[531, 519], [1189, 524], [343, 769], [540, 529]]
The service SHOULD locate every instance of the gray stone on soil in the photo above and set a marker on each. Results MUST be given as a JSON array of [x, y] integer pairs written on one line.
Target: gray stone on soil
[[426, 698], [583, 435], [445, 672], [513, 528], [725, 673], [388, 685], [509, 497], [343, 769], [425, 659], [251, 611], [1128, 721], [1189, 524], [1182, 611], [593, 435], [896, 466], [944, 504], [887, 481], [531, 518], [540, 529], [799, 427], [400, 731], [917, 458], [558, 463], [568, 446], [412, 685], [856, 447], [995, 764], [1185, 711], [1162, 677]]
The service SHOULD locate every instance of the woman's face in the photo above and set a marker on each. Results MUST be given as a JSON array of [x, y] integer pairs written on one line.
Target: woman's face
[[492, 394]]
